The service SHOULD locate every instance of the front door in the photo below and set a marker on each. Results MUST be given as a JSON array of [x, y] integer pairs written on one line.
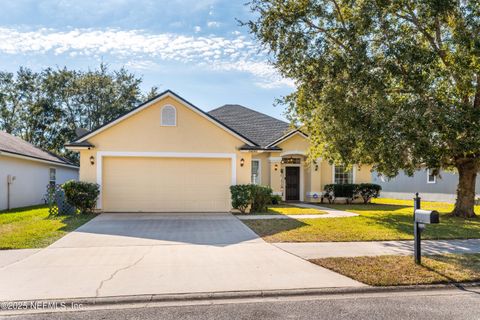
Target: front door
[[292, 181]]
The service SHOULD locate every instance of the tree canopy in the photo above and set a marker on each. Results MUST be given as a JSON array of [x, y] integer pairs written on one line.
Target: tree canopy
[[389, 83], [44, 108]]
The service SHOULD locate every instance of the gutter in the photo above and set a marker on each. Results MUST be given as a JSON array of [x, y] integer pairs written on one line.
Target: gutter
[[32, 158]]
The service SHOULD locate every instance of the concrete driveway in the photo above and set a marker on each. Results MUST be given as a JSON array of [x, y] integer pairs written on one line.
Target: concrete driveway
[[129, 254]]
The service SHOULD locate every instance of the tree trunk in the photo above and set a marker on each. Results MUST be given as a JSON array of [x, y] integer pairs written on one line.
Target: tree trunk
[[464, 205]]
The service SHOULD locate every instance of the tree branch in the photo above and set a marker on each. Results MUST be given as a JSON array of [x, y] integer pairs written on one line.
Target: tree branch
[[326, 33], [476, 100], [337, 7]]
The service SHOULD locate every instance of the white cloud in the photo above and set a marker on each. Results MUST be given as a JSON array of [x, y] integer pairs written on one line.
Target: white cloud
[[197, 29], [213, 24], [267, 76], [218, 53]]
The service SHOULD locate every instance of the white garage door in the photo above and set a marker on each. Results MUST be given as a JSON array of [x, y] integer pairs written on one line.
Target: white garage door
[[133, 184]]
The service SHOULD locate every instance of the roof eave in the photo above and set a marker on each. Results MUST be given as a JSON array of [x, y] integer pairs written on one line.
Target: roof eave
[[38, 159], [286, 136]]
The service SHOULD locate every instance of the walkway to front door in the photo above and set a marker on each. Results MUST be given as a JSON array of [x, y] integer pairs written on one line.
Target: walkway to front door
[[292, 183]]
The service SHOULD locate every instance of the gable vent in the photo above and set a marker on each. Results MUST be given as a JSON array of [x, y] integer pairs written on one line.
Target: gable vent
[[169, 116]]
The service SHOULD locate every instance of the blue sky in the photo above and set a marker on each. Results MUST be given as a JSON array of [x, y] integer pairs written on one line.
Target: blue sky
[[193, 47]]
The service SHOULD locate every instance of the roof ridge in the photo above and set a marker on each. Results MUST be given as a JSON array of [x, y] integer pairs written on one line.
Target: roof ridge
[[249, 109]]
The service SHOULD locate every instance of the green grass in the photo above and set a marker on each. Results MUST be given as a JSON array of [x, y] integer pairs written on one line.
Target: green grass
[[385, 219], [33, 227], [288, 209], [401, 270]]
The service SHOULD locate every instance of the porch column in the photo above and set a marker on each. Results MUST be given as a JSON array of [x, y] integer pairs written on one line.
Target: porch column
[[315, 181], [276, 175]]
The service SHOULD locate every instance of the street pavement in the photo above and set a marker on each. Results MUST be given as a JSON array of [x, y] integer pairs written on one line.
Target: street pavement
[[448, 304]]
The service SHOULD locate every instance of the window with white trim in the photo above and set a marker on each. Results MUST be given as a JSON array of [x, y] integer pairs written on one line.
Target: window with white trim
[[53, 177], [168, 116], [342, 176], [255, 178], [431, 176]]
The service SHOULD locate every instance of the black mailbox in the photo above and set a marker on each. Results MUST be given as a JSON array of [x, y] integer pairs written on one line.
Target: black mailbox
[[421, 218], [427, 216]]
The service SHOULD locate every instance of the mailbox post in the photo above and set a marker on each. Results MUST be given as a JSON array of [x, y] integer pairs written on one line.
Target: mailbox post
[[421, 218], [416, 204]]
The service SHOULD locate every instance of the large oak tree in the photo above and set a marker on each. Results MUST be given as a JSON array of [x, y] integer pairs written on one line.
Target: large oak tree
[[390, 83]]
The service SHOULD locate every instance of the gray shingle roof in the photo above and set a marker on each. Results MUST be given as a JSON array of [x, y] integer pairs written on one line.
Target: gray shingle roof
[[258, 127], [12, 144]]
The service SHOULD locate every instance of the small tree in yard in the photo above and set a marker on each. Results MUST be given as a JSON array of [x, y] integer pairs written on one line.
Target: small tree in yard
[[368, 191], [261, 197], [241, 197], [82, 195], [394, 84], [255, 196]]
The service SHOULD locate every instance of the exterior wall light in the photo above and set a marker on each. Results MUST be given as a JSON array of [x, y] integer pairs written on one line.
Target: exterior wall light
[[92, 160], [242, 162]]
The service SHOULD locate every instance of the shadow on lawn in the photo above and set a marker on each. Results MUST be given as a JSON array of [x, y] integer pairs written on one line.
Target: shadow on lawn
[[467, 263], [23, 209], [365, 207], [72, 222], [270, 227]]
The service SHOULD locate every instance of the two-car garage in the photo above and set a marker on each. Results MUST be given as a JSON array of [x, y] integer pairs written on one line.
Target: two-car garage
[[166, 184]]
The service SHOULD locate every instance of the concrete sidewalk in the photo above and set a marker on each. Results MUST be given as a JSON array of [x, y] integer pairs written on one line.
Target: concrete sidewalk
[[11, 256], [314, 250], [330, 213]]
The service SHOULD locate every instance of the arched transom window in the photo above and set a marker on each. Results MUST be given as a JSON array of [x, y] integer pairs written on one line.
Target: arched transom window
[[168, 116]]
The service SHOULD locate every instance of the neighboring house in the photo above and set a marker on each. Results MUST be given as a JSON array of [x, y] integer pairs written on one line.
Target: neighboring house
[[168, 155], [25, 172], [431, 187]]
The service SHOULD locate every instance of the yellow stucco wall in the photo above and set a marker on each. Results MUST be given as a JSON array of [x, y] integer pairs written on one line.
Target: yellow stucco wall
[[142, 132], [193, 133], [294, 143], [363, 174], [264, 167], [314, 180]]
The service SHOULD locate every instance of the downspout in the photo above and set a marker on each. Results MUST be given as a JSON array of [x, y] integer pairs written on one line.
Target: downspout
[[10, 180], [8, 192]]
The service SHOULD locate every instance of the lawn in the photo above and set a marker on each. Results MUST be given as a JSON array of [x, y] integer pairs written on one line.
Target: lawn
[[385, 219], [401, 270], [33, 227], [288, 209]]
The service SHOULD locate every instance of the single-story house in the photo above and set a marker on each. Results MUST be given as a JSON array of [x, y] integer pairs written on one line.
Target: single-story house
[[431, 185], [26, 171], [168, 155]]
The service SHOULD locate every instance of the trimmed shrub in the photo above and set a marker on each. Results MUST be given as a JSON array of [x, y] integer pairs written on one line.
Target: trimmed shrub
[[82, 195], [240, 197], [255, 196], [346, 190], [276, 199], [261, 197], [368, 191]]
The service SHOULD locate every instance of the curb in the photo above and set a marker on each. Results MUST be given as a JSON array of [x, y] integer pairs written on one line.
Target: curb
[[227, 295]]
